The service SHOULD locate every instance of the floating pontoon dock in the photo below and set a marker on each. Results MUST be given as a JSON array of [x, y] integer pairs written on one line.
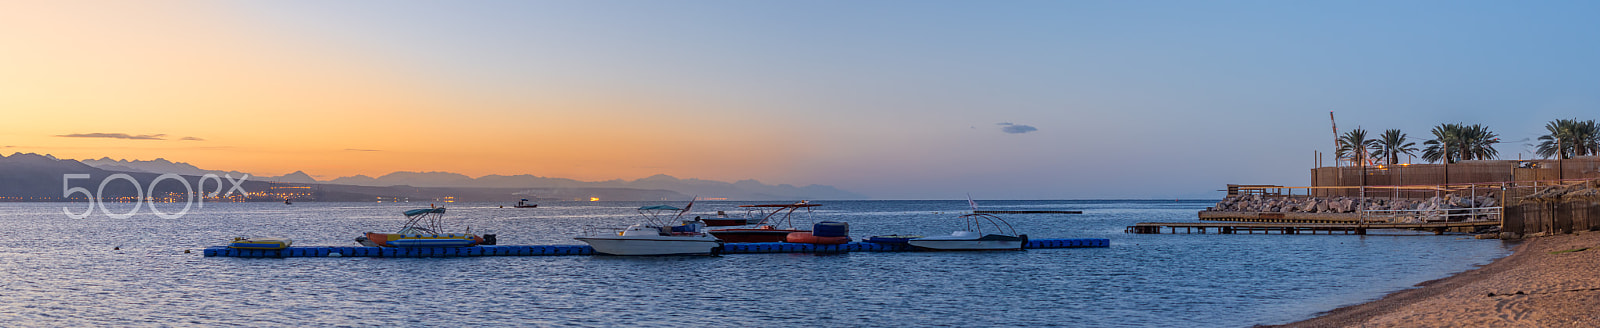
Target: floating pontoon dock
[[549, 250], [1026, 212]]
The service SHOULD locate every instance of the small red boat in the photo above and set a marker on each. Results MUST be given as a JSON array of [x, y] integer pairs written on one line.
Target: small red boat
[[761, 234], [727, 222], [722, 220]]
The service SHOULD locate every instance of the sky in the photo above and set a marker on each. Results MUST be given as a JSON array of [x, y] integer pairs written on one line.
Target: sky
[[891, 99]]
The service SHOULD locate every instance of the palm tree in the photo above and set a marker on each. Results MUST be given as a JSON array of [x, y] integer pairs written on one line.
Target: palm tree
[[1355, 147], [1446, 140], [1569, 138], [1391, 144], [1587, 141], [1459, 142], [1478, 143]]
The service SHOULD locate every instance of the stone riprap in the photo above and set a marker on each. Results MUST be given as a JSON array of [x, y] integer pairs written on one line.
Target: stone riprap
[[1401, 210]]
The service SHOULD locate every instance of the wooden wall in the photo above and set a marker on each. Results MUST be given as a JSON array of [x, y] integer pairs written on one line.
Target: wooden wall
[[1556, 218], [1491, 171]]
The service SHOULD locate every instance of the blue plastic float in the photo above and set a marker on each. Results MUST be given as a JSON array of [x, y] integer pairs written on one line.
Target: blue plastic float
[[558, 250]]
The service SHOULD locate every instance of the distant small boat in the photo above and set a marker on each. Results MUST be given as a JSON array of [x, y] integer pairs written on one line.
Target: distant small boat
[[287, 202], [525, 204], [260, 243]]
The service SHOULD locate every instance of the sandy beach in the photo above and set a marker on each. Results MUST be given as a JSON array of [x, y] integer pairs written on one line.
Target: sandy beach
[[1550, 281]]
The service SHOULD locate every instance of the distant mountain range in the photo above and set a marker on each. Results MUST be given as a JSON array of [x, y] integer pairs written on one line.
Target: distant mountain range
[[164, 166], [741, 190], [34, 177]]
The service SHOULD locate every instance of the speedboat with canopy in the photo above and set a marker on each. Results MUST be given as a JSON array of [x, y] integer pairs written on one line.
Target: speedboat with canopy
[[771, 228], [973, 236], [422, 229], [657, 236], [999, 236]]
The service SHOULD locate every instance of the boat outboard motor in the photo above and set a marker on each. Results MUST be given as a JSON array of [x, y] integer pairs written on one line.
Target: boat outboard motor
[[365, 242], [488, 239], [1024, 240]]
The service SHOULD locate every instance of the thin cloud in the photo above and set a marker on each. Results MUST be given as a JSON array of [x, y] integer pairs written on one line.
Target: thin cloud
[[1015, 128], [116, 136], [354, 149], [192, 139]]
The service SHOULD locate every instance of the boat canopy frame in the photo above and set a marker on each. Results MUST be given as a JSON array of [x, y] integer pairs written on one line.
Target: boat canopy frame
[[787, 210], [656, 214], [975, 222], [424, 221]]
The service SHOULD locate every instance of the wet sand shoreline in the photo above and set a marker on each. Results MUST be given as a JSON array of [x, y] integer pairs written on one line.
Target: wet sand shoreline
[[1546, 282]]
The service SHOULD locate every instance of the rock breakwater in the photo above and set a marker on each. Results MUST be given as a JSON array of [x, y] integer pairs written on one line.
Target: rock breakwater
[[1437, 208]]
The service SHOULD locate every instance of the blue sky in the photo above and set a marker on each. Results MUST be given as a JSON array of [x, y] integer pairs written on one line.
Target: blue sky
[[907, 99]]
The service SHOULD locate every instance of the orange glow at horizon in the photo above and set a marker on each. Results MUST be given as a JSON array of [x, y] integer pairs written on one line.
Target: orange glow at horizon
[[266, 104]]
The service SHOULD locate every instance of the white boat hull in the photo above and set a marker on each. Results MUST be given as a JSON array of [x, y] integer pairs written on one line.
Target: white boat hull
[[663, 245], [957, 245], [968, 241]]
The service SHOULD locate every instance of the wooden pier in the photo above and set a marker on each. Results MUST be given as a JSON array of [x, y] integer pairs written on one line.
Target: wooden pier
[[1297, 228], [1281, 217]]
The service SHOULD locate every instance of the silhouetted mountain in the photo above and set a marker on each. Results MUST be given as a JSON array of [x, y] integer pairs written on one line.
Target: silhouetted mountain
[[358, 180], [296, 177], [34, 175], [524, 180], [534, 186], [742, 190], [158, 166], [427, 179], [40, 177]]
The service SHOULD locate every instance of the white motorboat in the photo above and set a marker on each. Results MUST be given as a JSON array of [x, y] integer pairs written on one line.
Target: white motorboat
[[656, 238], [972, 236], [970, 241], [642, 239]]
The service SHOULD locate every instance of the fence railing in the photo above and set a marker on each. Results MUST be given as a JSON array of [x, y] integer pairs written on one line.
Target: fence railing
[[1494, 201], [1474, 214]]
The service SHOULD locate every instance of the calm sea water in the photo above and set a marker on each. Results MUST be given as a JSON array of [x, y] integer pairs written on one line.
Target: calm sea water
[[58, 271]]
